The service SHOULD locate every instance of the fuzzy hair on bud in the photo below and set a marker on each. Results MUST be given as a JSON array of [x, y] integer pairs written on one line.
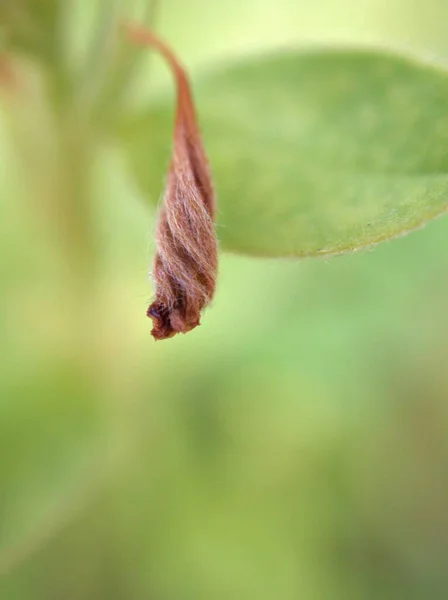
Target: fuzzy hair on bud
[[185, 266]]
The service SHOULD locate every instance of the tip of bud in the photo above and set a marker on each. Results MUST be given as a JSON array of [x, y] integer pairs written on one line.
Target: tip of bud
[[168, 322]]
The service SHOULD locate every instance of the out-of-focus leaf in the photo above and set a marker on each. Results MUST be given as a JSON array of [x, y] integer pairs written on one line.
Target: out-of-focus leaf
[[53, 426], [31, 26], [313, 152], [48, 458]]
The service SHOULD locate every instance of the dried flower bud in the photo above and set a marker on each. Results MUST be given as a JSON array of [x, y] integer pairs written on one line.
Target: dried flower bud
[[186, 262]]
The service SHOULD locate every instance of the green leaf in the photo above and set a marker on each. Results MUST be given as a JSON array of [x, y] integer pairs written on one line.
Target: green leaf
[[313, 152]]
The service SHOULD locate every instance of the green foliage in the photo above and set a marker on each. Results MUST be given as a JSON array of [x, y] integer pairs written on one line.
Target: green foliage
[[31, 27], [49, 447], [315, 152], [295, 446]]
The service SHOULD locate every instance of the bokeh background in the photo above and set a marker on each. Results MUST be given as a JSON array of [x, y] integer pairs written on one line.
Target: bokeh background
[[294, 446]]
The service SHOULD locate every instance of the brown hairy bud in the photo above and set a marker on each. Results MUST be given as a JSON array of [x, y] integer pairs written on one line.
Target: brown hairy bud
[[186, 262]]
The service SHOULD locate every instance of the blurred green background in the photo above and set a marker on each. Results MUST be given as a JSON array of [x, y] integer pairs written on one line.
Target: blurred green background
[[294, 446]]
